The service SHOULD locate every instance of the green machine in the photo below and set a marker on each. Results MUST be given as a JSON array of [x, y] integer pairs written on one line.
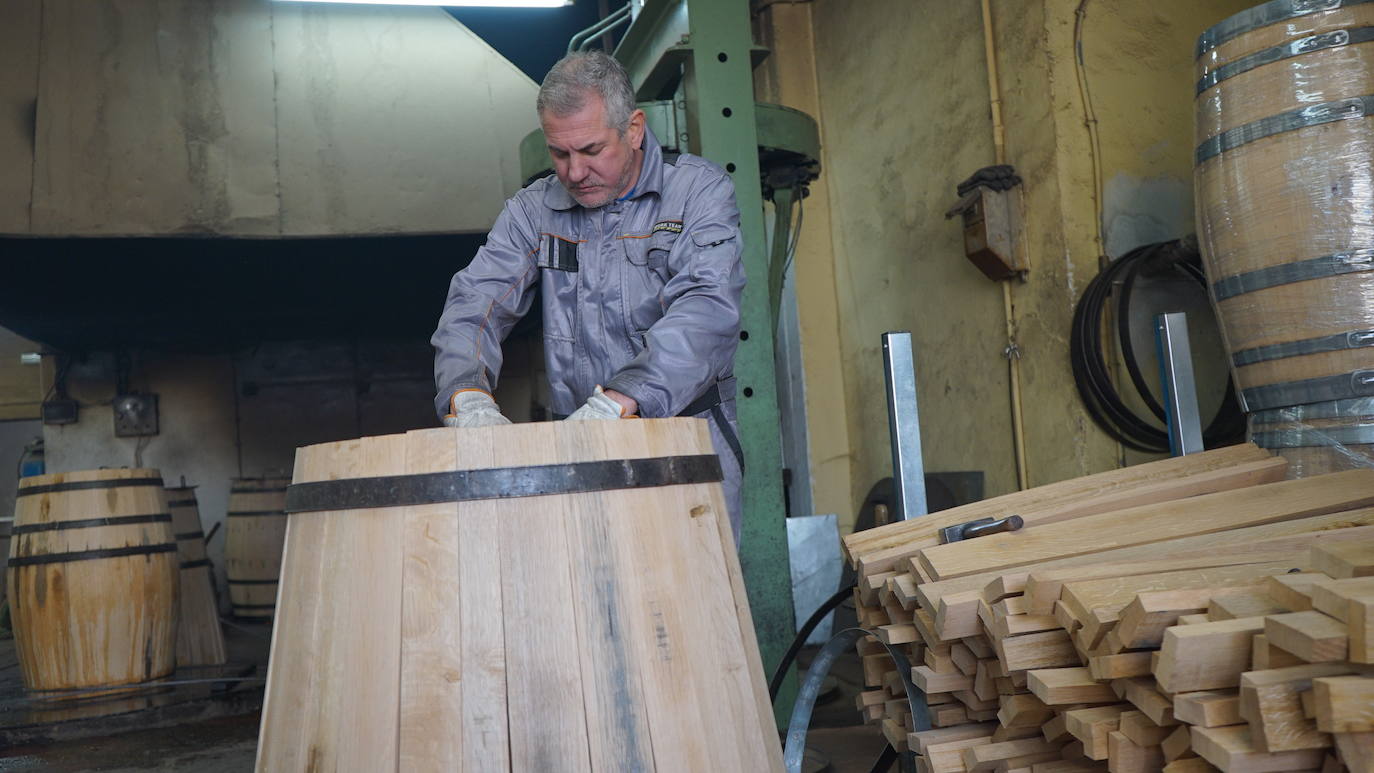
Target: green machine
[[691, 62]]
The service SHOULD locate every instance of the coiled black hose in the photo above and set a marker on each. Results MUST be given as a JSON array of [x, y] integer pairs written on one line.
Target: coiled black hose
[[1090, 371]]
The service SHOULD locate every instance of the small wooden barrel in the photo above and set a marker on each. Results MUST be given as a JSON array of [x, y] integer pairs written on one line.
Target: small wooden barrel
[[93, 580], [1319, 438], [200, 641], [255, 532], [1285, 197], [554, 619]]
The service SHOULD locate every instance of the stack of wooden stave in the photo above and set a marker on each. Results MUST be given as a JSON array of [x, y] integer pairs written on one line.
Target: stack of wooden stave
[[1192, 614]]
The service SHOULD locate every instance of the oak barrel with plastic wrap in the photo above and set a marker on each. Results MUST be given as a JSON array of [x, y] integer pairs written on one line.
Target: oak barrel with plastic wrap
[[1285, 198], [533, 597]]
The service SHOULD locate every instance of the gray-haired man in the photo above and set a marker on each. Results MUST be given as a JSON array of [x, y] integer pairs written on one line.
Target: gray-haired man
[[637, 257]]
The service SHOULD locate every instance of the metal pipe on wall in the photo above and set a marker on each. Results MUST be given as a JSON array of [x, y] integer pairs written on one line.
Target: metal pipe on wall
[[1013, 352]]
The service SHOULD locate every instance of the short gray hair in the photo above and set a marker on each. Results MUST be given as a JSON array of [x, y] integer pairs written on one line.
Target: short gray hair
[[583, 73]]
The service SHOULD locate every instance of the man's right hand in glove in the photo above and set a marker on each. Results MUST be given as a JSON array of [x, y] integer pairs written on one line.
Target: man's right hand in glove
[[470, 408]]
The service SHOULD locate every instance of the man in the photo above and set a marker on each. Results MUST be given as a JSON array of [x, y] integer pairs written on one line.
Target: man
[[637, 260]]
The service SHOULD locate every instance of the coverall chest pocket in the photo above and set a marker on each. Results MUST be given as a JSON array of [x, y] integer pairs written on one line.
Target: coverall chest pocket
[[645, 273], [559, 266]]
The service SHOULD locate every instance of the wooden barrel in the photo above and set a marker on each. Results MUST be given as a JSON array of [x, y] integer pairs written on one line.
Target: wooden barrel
[[93, 580], [5, 524], [255, 532], [556, 618], [1285, 197], [200, 641], [1318, 438]]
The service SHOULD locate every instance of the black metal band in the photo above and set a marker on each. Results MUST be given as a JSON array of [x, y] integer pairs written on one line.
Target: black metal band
[[253, 606], [191, 535], [255, 513], [1344, 386], [1340, 263], [194, 564], [502, 483], [1312, 115], [254, 582], [1308, 45], [182, 503], [88, 555], [91, 523], [86, 485], [1264, 15], [273, 490], [1355, 339]]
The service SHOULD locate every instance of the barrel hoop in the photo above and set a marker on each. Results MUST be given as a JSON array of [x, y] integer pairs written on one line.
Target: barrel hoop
[[1359, 383], [194, 564], [276, 490], [1355, 339], [253, 582], [91, 523], [1308, 437], [1264, 15], [1326, 266], [254, 606], [87, 555], [502, 483], [1308, 45], [191, 535], [1335, 409], [254, 513], [182, 503], [1303, 117], [86, 485]]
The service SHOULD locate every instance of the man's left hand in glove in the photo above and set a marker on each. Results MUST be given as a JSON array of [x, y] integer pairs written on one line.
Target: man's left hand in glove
[[606, 405]]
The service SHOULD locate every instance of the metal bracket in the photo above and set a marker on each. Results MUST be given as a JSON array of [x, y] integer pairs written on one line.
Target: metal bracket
[[981, 528]]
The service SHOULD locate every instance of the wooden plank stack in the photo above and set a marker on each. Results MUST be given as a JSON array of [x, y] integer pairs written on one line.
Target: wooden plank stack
[[1192, 614]]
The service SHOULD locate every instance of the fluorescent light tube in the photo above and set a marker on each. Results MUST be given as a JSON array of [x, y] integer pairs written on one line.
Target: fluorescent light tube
[[453, 3]]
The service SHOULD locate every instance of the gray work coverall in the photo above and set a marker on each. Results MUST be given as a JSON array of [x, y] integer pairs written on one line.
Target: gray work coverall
[[641, 296]]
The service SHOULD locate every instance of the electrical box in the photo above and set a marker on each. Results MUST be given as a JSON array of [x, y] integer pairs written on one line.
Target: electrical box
[[992, 231], [135, 415]]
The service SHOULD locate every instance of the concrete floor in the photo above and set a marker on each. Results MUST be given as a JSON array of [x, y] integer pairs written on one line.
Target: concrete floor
[[228, 744]]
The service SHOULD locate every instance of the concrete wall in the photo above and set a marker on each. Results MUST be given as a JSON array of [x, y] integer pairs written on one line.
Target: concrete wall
[[252, 117], [244, 414], [901, 91]]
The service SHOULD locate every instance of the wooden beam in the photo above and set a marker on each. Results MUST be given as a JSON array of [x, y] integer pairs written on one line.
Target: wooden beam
[[1206, 514], [1344, 704], [1206, 656]]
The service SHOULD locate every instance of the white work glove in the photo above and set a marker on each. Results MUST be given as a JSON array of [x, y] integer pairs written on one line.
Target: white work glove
[[598, 406], [473, 408]]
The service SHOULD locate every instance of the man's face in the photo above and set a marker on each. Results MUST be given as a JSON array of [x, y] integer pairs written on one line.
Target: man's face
[[595, 163]]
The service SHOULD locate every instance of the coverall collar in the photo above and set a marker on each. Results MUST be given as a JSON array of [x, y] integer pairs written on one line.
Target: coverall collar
[[650, 176]]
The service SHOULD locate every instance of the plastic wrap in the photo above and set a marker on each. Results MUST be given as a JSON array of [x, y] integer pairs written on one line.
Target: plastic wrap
[[1285, 201], [1319, 437]]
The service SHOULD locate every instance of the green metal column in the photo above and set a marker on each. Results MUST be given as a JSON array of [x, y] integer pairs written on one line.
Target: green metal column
[[719, 89]]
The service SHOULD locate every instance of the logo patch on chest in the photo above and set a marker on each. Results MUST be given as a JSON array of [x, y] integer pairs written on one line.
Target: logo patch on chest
[[669, 226]]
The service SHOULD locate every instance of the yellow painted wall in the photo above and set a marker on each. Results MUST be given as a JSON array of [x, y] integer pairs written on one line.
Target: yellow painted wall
[[901, 92]]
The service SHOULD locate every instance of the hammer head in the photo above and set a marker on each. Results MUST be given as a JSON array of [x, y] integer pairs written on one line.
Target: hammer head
[[980, 528]]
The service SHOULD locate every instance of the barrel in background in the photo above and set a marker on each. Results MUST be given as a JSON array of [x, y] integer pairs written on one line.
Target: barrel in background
[[605, 630], [92, 580], [254, 533], [200, 640], [1285, 200]]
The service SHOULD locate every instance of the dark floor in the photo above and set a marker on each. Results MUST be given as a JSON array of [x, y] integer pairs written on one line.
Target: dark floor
[[226, 744]]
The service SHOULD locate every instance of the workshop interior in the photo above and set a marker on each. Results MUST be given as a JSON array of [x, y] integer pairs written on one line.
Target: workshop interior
[[1036, 340]]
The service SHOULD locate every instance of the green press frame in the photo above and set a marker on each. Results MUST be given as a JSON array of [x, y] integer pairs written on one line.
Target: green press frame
[[691, 62]]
